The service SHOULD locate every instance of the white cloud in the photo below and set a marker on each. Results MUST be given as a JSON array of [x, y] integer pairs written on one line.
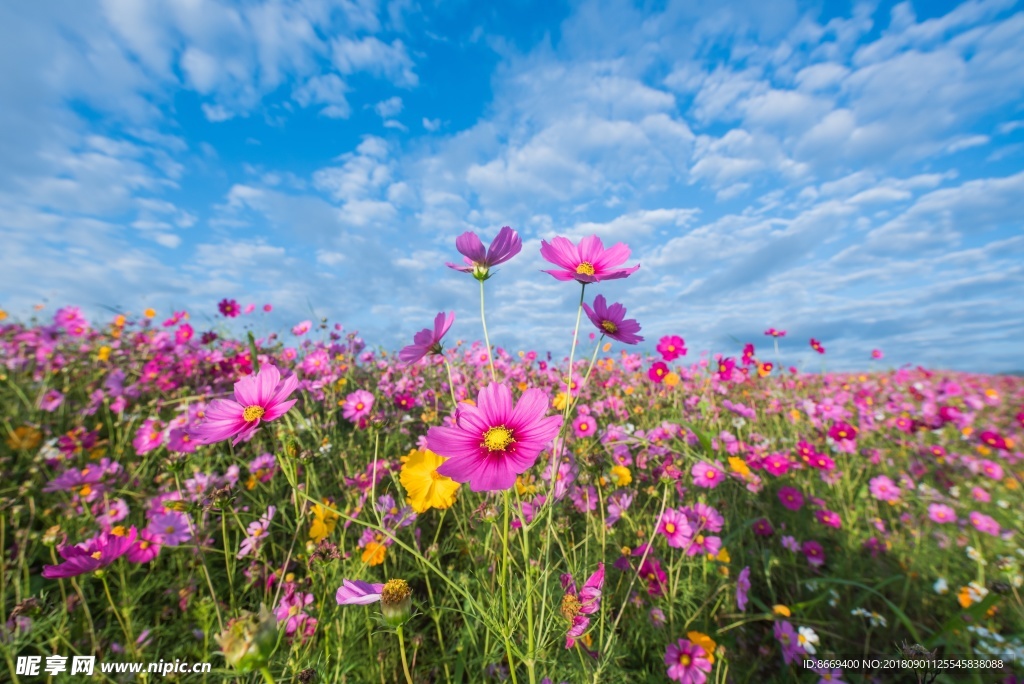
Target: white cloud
[[388, 108], [370, 54]]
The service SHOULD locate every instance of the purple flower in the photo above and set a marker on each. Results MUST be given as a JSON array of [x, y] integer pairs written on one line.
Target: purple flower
[[791, 498], [478, 262], [96, 553], [789, 640], [814, 552], [171, 528], [612, 322], [257, 531], [358, 593], [427, 341], [51, 400], [742, 587], [884, 489], [687, 662]]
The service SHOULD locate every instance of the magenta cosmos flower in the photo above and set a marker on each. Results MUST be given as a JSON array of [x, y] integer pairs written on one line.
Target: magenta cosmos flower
[[687, 662], [612, 321], [260, 397], [229, 308], [578, 606], [588, 262], [358, 593], [671, 347], [494, 441], [479, 262], [96, 553], [816, 346], [706, 476], [427, 341]]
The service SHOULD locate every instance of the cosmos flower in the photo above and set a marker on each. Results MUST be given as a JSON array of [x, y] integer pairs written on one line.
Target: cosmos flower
[[426, 488], [494, 441], [676, 528], [657, 371], [814, 552], [611, 321], [816, 346], [505, 245], [775, 333], [687, 662], [742, 588], [229, 308], [583, 426], [941, 513], [588, 262], [96, 553], [791, 498], [302, 328], [671, 347], [427, 341], [258, 398], [257, 531], [578, 606], [706, 476]]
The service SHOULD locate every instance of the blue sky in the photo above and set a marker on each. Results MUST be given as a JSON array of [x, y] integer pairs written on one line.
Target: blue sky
[[848, 171]]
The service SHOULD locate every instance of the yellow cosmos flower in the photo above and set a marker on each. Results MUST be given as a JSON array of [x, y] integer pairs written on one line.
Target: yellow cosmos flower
[[621, 475], [705, 642], [672, 379], [738, 465], [559, 401], [323, 523], [103, 353], [426, 488], [24, 437], [607, 346], [3, 314], [780, 609], [373, 553], [149, 313]]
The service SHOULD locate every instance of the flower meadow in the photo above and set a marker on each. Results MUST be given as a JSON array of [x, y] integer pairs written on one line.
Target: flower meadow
[[298, 507]]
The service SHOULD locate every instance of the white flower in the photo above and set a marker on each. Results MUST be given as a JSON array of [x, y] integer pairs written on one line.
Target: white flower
[[878, 621], [941, 586], [975, 555], [860, 612], [1003, 503], [808, 639], [954, 492]]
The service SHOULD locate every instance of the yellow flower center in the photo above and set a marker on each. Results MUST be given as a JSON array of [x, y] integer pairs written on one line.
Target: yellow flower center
[[97, 554], [143, 544], [395, 591], [671, 348], [169, 529], [118, 531], [570, 607], [700, 538], [670, 528], [434, 475], [252, 413], [684, 660], [609, 326], [498, 438], [585, 268], [359, 406]]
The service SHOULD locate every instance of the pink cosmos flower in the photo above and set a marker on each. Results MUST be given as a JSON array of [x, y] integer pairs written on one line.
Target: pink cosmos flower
[[687, 662], [706, 476], [876, 353], [96, 553], [494, 441], [171, 528], [657, 371], [791, 498], [984, 523], [145, 548], [578, 606], [676, 528], [612, 321], [789, 640], [775, 333], [941, 513], [583, 426], [777, 464], [358, 593], [884, 489], [763, 528], [302, 328], [51, 400], [840, 431], [589, 262], [994, 440], [814, 552], [671, 347], [478, 262], [742, 588], [258, 398], [149, 436], [829, 519], [257, 531], [704, 545], [184, 334], [249, 308], [357, 405], [704, 518], [229, 308], [816, 346], [427, 341]]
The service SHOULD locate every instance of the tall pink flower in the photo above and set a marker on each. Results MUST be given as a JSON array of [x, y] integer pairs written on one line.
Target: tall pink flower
[[588, 262], [676, 528], [427, 341], [671, 347], [687, 662], [612, 321], [494, 441], [258, 398], [479, 262], [578, 606], [357, 405]]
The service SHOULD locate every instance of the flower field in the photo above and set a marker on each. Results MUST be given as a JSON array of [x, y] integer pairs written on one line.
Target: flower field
[[300, 507]]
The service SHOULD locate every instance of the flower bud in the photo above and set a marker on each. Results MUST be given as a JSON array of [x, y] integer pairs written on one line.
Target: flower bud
[[396, 602], [249, 640]]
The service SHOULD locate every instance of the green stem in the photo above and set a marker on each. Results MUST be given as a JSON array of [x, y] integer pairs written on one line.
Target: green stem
[[506, 634], [487, 340], [267, 677], [124, 628], [405, 664], [451, 385]]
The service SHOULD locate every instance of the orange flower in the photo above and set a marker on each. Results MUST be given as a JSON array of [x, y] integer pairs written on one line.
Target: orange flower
[[374, 553]]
